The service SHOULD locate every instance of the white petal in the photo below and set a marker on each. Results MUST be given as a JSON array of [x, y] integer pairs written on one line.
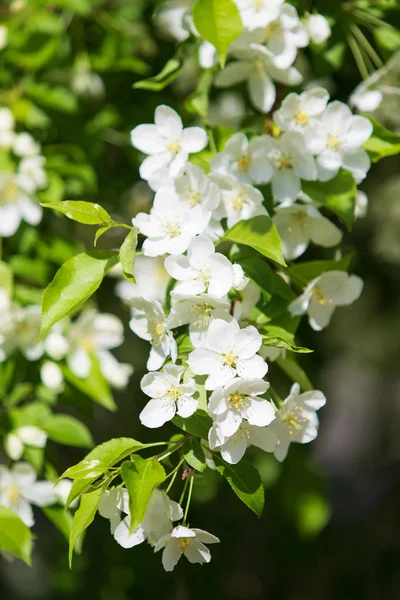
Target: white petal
[[156, 413], [187, 406], [171, 555], [260, 412], [262, 90], [146, 138], [124, 538], [234, 449], [194, 139]]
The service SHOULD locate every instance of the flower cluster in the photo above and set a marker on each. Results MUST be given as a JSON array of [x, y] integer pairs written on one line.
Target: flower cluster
[[23, 176]]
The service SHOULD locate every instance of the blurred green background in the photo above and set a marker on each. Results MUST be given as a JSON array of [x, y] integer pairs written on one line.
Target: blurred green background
[[331, 525]]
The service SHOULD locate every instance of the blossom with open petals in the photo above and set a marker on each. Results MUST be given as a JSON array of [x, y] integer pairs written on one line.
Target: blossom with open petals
[[189, 542]]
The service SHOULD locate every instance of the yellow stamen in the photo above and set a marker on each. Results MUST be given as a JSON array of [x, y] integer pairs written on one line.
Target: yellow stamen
[[301, 118], [334, 143]]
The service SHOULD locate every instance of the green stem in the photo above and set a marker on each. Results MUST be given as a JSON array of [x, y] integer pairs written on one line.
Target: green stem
[[358, 57], [371, 19], [366, 45], [276, 399], [189, 497], [161, 457], [213, 145], [184, 490]]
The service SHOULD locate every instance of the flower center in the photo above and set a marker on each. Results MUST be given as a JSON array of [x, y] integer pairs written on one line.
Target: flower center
[[205, 275], [258, 4], [321, 298], [237, 203], [157, 331], [230, 360], [87, 345], [10, 193], [172, 229], [194, 198], [244, 163], [301, 118], [294, 420], [272, 29], [13, 494], [334, 143], [174, 147], [184, 543], [284, 161], [237, 402], [173, 394]]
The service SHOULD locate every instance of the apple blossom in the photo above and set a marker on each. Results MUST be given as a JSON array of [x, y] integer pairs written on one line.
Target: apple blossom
[[243, 159], [160, 513], [166, 142], [25, 145], [16, 203], [151, 280], [240, 201], [323, 294], [296, 420], [112, 503], [194, 188], [318, 28], [189, 542], [169, 396], [19, 330], [198, 312], [170, 225], [258, 13], [237, 400], [256, 67], [228, 351], [150, 323], [341, 136], [300, 224], [19, 489], [28, 435], [234, 447], [202, 270]]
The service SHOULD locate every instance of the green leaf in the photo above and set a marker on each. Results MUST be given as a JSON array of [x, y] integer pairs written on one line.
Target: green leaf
[[218, 22], [245, 481], [61, 518], [302, 273], [280, 333], [337, 195], [53, 97], [141, 476], [73, 284], [280, 342], [95, 385], [30, 269], [83, 518], [259, 233], [260, 273], [15, 536], [65, 429], [166, 76], [198, 424], [127, 254], [101, 458], [382, 142], [194, 454], [295, 373], [83, 212]]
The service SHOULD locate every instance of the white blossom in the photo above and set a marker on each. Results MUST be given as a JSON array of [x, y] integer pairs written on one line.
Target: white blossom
[[323, 294], [19, 489], [7, 123], [227, 110], [243, 308], [32, 169], [112, 503], [257, 68], [233, 447], [19, 330], [202, 270], [28, 435], [300, 224], [17, 203], [94, 334], [157, 522], [170, 225], [189, 542], [341, 136], [240, 201], [361, 205], [169, 396], [318, 28], [297, 420], [171, 19], [244, 160], [25, 145], [240, 400], [167, 143], [292, 162], [150, 323], [151, 280], [258, 13], [228, 352], [195, 188], [198, 312]]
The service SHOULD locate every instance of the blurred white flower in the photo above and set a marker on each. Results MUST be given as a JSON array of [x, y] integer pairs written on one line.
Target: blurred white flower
[[318, 28]]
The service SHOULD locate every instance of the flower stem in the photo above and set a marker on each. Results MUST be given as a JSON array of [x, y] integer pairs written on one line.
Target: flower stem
[[191, 477]]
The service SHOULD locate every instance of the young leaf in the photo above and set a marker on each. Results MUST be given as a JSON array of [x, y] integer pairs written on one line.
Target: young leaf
[[15, 536], [337, 195], [65, 429], [83, 518], [166, 76], [102, 458], [73, 284], [194, 454], [141, 476], [280, 333], [382, 142], [198, 424], [218, 22], [88, 213], [260, 273], [127, 255], [259, 233], [245, 481]]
